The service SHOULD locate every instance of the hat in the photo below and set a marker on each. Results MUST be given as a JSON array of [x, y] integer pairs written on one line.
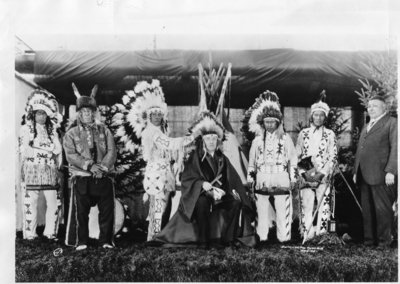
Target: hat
[[377, 97], [321, 105], [207, 124], [266, 107], [85, 101]]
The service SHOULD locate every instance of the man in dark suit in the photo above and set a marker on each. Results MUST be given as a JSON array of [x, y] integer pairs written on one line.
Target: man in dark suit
[[375, 171]]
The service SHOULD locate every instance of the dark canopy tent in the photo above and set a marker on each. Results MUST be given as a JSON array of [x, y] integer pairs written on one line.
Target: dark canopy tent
[[297, 76]]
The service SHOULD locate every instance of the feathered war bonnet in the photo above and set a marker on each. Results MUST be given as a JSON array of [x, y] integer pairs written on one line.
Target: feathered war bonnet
[[207, 124], [321, 105], [85, 101], [135, 110], [266, 106], [141, 102], [42, 100]]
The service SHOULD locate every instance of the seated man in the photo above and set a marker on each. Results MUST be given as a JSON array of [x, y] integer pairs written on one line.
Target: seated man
[[212, 196]]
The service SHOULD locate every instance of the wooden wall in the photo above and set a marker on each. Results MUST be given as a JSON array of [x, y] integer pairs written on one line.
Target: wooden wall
[[181, 117]]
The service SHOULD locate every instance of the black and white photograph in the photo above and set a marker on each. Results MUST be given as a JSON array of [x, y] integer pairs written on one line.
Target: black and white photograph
[[199, 141]]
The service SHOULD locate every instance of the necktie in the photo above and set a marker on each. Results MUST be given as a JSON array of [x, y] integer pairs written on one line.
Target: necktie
[[370, 125]]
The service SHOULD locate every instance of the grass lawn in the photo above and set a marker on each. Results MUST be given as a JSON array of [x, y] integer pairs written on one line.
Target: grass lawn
[[133, 261]]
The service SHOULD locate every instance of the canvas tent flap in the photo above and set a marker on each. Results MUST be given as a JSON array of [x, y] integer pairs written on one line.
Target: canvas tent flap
[[297, 76]]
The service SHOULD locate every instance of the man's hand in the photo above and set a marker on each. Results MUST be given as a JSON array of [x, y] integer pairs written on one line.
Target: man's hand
[[355, 178], [207, 186], [235, 194], [103, 168], [96, 171], [218, 193], [314, 176], [319, 176], [389, 179]]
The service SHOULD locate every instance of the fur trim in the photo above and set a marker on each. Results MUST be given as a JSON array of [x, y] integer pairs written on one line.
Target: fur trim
[[320, 106], [85, 101]]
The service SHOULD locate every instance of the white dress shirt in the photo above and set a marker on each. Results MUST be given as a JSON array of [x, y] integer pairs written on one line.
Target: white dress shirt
[[373, 121]]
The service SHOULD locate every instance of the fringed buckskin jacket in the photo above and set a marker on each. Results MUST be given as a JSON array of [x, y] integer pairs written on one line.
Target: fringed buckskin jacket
[[272, 160], [320, 144], [80, 139]]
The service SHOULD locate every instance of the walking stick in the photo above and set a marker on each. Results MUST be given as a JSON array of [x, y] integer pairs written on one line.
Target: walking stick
[[351, 191], [302, 222], [305, 237]]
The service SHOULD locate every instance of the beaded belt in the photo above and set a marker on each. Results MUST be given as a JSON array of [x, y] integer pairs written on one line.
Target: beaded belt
[[275, 169], [274, 190]]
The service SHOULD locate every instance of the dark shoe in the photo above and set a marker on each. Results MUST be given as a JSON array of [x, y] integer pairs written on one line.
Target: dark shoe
[[383, 245], [236, 244], [369, 243], [347, 238], [204, 246], [217, 245]]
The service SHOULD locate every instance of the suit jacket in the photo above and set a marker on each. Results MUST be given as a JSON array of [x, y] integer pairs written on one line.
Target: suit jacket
[[377, 151]]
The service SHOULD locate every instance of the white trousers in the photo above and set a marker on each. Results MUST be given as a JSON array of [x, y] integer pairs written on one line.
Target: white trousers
[[30, 213], [308, 196], [157, 206], [265, 212]]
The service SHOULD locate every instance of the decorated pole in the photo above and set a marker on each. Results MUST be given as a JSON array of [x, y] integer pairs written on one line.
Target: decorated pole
[[220, 105], [203, 102]]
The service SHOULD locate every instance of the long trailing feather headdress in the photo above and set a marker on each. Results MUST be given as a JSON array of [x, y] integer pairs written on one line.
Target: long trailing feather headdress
[[136, 107]]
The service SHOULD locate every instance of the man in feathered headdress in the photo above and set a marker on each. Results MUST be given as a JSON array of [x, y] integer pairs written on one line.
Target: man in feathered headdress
[[212, 195], [272, 166], [318, 144], [40, 156], [90, 150], [147, 117]]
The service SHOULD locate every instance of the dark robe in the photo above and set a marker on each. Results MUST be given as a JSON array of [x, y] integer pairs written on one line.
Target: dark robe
[[230, 219]]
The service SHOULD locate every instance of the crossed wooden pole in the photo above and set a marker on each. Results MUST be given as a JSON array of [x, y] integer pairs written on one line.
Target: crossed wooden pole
[[305, 237]]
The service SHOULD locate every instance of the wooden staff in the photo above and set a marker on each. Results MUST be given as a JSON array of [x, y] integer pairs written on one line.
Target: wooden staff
[[220, 105], [305, 237], [203, 102]]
